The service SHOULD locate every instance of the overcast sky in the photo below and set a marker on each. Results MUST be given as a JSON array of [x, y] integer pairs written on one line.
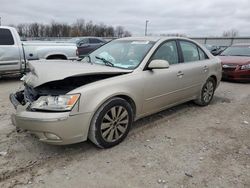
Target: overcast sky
[[191, 17]]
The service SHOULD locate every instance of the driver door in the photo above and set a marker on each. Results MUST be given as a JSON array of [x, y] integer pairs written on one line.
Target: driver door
[[162, 86]]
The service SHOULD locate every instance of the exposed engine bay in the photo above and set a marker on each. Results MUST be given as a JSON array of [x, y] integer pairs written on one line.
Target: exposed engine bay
[[58, 87]]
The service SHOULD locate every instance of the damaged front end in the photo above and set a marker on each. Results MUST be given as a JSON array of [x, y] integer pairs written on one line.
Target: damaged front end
[[45, 105], [52, 114], [57, 79], [27, 96]]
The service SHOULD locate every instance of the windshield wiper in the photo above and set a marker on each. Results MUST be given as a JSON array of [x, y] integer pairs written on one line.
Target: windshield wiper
[[105, 61], [81, 58]]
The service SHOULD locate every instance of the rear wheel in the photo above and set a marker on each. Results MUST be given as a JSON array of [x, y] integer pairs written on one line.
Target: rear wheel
[[207, 93], [111, 123]]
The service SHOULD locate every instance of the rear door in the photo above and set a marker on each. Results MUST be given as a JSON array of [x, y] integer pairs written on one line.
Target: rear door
[[9, 51], [193, 69]]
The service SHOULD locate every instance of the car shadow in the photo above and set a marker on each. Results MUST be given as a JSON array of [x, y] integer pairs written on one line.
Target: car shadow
[[235, 81], [143, 123], [10, 78], [34, 146], [42, 153]]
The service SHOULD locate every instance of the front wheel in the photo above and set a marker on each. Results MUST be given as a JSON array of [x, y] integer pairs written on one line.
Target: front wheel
[[111, 123], [207, 93]]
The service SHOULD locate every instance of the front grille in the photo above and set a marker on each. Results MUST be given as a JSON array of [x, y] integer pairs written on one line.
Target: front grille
[[245, 76], [228, 69]]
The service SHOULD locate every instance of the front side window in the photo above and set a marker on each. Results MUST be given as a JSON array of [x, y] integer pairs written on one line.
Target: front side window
[[6, 37], [189, 51], [168, 51]]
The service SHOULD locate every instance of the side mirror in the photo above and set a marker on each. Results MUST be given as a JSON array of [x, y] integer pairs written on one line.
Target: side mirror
[[158, 64]]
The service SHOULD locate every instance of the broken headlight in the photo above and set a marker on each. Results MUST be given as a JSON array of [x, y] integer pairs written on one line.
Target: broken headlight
[[55, 103]]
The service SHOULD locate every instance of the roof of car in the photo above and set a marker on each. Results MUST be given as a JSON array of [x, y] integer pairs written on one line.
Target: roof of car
[[153, 39]]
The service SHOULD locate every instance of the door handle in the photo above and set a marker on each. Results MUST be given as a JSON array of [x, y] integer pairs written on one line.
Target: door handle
[[205, 68], [180, 74]]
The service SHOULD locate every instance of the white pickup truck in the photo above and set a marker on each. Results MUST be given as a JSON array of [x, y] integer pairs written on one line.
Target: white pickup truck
[[14, 53]]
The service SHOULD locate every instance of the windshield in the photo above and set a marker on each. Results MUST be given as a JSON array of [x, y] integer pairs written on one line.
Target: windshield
[[126, 54], [237, 51]]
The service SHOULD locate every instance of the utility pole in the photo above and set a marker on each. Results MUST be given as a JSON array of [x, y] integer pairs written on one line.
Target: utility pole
[[146, 27], [0, 21]]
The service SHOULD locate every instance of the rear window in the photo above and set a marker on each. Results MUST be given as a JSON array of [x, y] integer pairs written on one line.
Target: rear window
[[6, 37], [189, 51], [94, 41]]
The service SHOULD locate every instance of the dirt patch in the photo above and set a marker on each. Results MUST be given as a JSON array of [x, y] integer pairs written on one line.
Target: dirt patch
[[185, 146]]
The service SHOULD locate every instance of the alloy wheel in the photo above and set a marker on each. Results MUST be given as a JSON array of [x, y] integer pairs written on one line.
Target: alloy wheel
[[208, 91], [114, 123]]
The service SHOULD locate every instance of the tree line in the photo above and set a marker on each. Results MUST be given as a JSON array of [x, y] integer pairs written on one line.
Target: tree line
[[77, 29]]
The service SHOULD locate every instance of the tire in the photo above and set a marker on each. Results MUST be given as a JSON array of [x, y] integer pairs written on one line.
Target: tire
[[111, 123], [207, 93]]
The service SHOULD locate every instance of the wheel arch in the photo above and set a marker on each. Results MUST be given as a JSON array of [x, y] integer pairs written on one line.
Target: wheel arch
[[129, 100], [92, 129], [126, 97], [56, 56], [215, 79]]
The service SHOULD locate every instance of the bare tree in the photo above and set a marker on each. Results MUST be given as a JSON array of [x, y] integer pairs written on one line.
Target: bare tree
[[231, 33], [77, 29], [34, 30], [119, 31], [20, 29], [127, 34]]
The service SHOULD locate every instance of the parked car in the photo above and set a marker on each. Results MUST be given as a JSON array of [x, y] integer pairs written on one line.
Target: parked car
[[100, 97], [14, 53], [215, 50], [85, 45], [236, 62]]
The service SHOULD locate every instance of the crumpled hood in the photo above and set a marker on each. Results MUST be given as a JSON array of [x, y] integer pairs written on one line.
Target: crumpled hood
[[44, 71]]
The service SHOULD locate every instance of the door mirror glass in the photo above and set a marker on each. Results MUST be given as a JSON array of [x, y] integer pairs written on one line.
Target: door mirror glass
[[158, 64]]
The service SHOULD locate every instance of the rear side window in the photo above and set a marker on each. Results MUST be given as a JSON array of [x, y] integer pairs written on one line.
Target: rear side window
[[202, 54], [94, 41], [189, 51], [6, 37], [168, 51]]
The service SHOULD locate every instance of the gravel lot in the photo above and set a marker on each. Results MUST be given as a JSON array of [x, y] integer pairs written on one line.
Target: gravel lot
[[185, 146]]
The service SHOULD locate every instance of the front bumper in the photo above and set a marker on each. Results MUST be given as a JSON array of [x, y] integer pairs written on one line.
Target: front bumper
[[54, 128], [237, 75]]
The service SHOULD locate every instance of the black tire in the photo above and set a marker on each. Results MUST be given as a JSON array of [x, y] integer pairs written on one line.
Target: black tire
[[105, 121], [207, 93]]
